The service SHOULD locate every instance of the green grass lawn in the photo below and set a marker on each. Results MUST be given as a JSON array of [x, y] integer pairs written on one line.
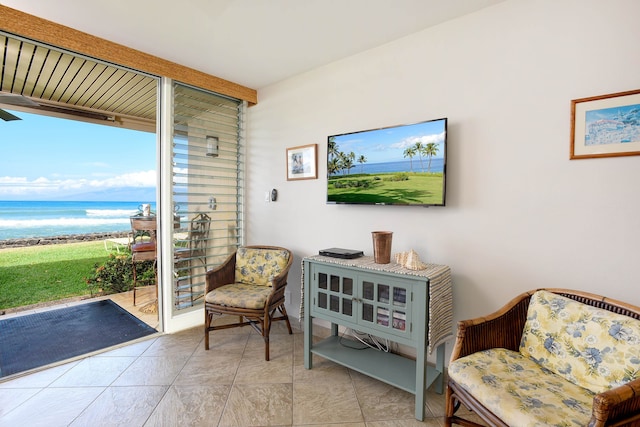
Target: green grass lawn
[[420, 188], [36, 274]]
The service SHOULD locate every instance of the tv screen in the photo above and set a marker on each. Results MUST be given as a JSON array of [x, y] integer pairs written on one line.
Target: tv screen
[[396, 165]]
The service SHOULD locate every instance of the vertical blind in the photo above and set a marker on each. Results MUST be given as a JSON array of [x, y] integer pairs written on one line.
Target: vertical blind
[[208, 173]]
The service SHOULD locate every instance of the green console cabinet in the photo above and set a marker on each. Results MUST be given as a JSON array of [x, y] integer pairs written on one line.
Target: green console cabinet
[[409, 307]]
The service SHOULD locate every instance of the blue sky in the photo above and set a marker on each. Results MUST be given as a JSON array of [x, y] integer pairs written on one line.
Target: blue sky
[[388, 145], [46, 158]]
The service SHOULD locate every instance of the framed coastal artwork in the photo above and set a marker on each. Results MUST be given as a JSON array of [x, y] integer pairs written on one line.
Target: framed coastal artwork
[[606, 125], [302, 162]]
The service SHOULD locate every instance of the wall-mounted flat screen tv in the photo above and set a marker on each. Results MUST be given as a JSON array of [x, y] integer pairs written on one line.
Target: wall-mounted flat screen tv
[[396, 165]]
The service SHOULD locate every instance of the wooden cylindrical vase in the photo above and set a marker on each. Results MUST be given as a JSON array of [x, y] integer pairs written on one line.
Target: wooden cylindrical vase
[[382, 246]]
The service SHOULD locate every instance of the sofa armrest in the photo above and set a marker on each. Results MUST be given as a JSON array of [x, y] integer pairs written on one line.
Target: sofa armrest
[[222, 275], [501, 329], [616, 405]]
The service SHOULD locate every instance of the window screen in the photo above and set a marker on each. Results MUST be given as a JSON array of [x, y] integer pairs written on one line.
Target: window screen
[[207, 187]]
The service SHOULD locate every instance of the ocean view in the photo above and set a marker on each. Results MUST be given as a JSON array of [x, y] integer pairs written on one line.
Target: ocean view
[[21, 219], [437, 165]]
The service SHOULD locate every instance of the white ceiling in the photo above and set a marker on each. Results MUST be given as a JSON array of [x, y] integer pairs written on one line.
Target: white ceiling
[[251, 42]]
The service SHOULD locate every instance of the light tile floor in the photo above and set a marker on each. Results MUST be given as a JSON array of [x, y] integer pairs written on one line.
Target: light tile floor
[[170, 380]]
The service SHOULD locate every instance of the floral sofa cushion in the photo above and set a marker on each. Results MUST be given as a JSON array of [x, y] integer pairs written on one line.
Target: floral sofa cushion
[[521, 392], [593, 348], [240, 295], [259, 266]]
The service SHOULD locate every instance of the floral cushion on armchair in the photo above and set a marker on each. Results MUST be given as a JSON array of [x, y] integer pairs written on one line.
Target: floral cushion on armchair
[[259, 266], [240, 295], [590, 347]]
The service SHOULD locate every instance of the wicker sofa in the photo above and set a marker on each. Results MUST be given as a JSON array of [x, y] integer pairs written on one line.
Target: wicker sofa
[[549, 357]]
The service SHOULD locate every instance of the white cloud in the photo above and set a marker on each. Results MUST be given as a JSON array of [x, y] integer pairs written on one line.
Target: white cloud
[[180, 179], [133, 179], [21, 186], [11, 180], [425, 139]]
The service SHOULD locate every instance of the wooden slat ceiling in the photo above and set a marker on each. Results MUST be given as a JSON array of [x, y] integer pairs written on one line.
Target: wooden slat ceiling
[[73, 83]]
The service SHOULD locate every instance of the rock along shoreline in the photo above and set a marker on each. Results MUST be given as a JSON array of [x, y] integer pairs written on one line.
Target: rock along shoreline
[[57, 240]]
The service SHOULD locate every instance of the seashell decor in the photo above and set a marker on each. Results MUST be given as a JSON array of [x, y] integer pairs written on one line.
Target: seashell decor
[[410, 260]]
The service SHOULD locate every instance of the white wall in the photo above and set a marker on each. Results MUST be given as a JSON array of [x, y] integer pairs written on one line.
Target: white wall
[[519, 213]]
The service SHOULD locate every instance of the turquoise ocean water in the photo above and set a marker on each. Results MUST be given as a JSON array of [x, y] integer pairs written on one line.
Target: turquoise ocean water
[[437, 165], [21, 219]]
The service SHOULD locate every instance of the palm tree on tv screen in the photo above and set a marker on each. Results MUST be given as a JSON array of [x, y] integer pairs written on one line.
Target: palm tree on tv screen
[[419, 148], [410, 152], [362, 160], [430, 150], [333, 166]]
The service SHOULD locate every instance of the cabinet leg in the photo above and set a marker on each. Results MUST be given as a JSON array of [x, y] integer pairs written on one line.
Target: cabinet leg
[[421, 377], [308, 341], [419, 411]]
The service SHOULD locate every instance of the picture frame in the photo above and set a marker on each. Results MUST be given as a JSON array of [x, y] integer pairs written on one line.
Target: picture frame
[[606, 126], [302, 162]]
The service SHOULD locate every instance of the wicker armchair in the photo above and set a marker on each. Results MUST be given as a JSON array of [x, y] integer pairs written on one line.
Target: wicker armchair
[[619, 406], [250, 284]]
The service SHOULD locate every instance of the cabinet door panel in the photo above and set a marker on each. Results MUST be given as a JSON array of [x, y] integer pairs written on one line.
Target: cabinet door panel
[[347, 286], [347, 306], [367, 290], [399, 320], [367, 312], [334, 303], [383, 293], [322, 300], [323, 280], [335, 283], [378, 303], [399, 297], [384, 304], [333, 293]]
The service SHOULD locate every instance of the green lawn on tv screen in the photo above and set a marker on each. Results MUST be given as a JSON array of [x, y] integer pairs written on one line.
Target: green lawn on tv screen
[[401, 188]]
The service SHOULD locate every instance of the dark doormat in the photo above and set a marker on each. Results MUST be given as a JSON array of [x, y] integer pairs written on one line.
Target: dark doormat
[[34, 340]]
